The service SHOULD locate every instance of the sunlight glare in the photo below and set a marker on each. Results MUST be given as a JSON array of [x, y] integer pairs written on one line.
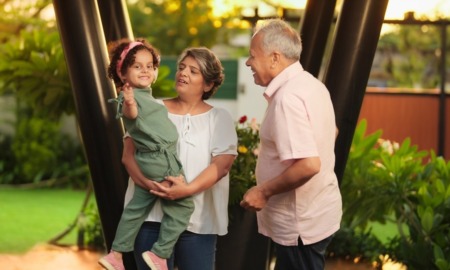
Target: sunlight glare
[[291, 4], [432, 9], [220, 8]]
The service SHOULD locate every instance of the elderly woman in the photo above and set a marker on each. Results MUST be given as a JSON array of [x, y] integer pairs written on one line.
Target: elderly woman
[[207, 148]]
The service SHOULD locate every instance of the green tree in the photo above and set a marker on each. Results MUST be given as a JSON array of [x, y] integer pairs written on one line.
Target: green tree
[[172, 26], [33, 68], [18, 15], [412, 55]]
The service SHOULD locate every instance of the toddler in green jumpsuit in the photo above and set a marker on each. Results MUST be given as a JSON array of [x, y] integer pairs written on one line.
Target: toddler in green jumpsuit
[[133, 68]]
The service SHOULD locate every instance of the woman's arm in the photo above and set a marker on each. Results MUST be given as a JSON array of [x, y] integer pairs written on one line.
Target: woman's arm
[[220, 165], [132, 167]]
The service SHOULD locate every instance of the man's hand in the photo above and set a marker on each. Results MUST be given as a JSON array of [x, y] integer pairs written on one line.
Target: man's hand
[[254, 199]]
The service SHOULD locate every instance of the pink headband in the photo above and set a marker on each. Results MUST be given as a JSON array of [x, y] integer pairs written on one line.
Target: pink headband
[[124, 54]]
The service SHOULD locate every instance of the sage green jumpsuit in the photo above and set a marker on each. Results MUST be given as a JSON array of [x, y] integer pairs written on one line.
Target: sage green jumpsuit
[[155, 138]]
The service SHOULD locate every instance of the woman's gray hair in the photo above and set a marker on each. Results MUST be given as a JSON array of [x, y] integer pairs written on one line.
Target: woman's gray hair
[[210, 67], [279, 36]]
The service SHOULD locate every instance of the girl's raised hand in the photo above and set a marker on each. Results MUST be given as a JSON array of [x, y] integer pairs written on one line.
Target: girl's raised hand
[[128, 94]]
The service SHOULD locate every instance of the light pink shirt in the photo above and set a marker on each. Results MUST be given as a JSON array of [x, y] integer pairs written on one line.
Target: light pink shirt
[[299, 123]]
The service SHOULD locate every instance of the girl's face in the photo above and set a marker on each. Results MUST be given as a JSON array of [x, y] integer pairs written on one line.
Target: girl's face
[[189, 79], [141, 73]]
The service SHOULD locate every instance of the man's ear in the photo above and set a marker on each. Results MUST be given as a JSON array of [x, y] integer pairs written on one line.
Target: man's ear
[[276, 57]]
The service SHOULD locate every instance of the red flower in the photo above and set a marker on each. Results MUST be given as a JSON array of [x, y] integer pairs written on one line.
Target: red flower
[[243, 119]]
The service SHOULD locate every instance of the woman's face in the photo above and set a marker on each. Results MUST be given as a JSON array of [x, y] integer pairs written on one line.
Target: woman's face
[[141, 73], [189, 79]]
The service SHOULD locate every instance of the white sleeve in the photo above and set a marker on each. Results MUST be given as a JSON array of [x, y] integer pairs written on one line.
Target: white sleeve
[[224, 137]]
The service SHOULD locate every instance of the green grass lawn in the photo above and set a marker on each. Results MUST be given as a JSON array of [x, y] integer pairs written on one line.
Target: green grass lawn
[[29, 217]]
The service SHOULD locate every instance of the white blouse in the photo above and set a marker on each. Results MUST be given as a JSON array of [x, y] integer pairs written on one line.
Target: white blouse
[[202, 137]]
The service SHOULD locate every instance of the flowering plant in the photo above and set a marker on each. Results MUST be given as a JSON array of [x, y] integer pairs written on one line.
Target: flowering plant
[[242, 173]]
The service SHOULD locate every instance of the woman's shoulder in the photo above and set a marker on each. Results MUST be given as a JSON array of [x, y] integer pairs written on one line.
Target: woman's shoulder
[[221, 113]]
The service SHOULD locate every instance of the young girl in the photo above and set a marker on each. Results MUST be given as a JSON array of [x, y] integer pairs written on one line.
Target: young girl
[[133, 68]]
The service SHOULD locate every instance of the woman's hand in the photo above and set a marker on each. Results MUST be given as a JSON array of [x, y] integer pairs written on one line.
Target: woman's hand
[[178, 188]]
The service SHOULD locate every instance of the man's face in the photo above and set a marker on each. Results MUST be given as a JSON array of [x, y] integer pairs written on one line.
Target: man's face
[[259, 62]]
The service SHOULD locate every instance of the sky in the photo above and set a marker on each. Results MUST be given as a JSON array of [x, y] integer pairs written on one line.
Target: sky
[[431, 8]]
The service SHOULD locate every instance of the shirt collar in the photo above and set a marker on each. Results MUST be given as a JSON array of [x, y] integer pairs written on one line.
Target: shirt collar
[[292, 70]]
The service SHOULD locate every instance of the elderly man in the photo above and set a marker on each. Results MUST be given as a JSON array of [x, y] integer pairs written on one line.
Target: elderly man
[[297, 193]]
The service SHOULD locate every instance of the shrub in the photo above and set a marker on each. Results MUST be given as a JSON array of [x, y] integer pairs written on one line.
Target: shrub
[[383, 180], [242, 173], [39, 151], [92, 229]]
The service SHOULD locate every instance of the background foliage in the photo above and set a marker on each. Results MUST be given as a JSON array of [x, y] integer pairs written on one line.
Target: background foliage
[[412, 55], [383, 182], [394, 183], [242, 173]]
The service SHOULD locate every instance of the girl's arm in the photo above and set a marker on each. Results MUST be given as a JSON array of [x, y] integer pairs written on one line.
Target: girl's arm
[[132, 167]]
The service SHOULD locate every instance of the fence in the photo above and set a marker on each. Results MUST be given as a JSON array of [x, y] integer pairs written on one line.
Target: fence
[[402, 115]]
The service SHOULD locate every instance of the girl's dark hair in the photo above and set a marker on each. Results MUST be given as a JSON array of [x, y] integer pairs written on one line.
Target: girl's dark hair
[[115, 49]]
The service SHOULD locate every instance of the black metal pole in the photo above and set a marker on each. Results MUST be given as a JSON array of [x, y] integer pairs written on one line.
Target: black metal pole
[[355, 42], [86, 57], [115, 20], [314, 30]]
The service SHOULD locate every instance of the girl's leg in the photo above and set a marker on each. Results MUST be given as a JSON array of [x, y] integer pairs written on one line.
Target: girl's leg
[[174, 222], [195, 251], [147, 236], [134, 214]]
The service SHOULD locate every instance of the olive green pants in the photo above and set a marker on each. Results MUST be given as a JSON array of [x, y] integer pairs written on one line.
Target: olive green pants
[[175, 220]]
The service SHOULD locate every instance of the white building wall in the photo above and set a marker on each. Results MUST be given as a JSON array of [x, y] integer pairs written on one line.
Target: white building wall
[[250, 101]]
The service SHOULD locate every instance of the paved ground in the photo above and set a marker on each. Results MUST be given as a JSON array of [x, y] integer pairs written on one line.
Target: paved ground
[[48, 257]]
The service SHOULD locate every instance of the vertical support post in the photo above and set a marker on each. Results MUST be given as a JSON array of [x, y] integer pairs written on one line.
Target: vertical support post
[[314, 30], [355, 42], [115, 19], [87, 58], [442, 95]]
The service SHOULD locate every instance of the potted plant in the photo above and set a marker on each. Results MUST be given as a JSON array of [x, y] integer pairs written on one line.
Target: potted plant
[[242, 173], [243, 247]]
